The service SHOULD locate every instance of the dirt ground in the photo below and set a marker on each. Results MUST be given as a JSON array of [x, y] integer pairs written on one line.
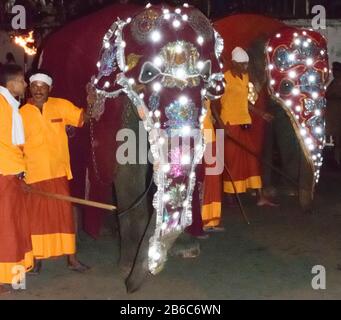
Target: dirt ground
[[270, 259]]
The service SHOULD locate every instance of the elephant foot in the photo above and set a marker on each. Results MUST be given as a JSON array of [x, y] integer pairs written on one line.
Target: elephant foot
[[185, 249], [136, 278]]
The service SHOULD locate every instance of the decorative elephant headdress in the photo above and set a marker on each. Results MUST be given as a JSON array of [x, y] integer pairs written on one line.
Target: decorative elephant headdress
[[166, 60]]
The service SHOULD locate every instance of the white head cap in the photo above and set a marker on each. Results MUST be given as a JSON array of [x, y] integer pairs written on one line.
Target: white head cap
[[239, 55], [41, 77]]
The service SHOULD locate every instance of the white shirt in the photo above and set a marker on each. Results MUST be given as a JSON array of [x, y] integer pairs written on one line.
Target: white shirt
[[18, 136]]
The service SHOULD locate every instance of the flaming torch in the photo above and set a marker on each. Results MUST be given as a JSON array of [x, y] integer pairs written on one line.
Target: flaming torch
[[27, 43]]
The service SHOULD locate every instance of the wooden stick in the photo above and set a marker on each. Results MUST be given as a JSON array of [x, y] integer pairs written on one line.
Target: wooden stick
[[74, 200]]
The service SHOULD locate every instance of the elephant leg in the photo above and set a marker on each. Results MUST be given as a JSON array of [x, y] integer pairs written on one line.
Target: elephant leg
[[130, 184]]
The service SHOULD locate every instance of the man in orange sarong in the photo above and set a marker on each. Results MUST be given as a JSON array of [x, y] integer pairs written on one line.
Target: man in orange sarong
[[235, 119], [15, 242], [47, 158]]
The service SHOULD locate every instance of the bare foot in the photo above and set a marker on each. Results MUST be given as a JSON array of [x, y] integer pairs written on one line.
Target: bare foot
[[4, 289]]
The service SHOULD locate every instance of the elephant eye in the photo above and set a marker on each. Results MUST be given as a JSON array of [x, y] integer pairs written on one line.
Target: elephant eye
[[148, 72], [286, 87]]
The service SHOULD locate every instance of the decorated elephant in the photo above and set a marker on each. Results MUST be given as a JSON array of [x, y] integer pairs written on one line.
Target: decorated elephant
[[151, 71]]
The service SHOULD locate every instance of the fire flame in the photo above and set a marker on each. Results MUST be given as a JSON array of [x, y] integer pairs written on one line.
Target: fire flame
[[27, 43]]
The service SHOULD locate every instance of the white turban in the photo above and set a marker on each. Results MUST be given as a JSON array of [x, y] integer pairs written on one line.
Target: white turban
[[41, 77], [239, 55]]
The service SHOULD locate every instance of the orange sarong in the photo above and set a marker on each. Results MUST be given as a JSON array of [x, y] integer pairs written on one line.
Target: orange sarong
[[51, 220], [244, 167], [15, 241]]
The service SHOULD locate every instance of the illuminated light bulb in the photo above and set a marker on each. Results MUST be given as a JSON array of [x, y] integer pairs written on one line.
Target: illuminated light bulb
[[308, 141], [166, 197], [318, 130], [311, 147], [295, 34], [291, 57], [272, 82], [292, 74], [178, 48], [180, 73], [221, 65], [203, 92], [176, 214], [157, 86], [270, 66], [200, 65], [157, 125], [126, 68], [165, 11], [185, 159], [185, 17], [269, 49], [322, 52], [303, 132], [277, 95], [186, 130], [304, 33], [106, 45], [96, 81], [162, 140], [200, 40], [158, 61], [166, 167], [150, 113], [177, 10], [297, 42], [296, 91], [98, 64], [157, 113], [123, 44], [155, 36], [176, 24], [317, 112], [288, 103], [303, 125], [305, 44], [325, 69], [163, 227], [141, 95], [131, 81], [107, 84], [309, 40], [314, 157], [183, 100], [298, 108], [315, 95], [186, 5], [312, 78], [128, 20], [167, 16], [148, 5], [218, 88], [309, 61], [278, 35], [185, 203]]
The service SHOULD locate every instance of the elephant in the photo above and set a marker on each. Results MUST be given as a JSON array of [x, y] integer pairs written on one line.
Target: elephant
[[151, 71], [154, 72]]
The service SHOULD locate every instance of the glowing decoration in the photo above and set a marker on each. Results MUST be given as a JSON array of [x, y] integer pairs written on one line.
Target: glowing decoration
[[298, 64], [175, 64], [27, 43]]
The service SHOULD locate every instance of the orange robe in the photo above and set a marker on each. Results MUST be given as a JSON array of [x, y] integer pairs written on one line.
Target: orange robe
[[212, 186], [244, 168], [15, 241], [47, 159]]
